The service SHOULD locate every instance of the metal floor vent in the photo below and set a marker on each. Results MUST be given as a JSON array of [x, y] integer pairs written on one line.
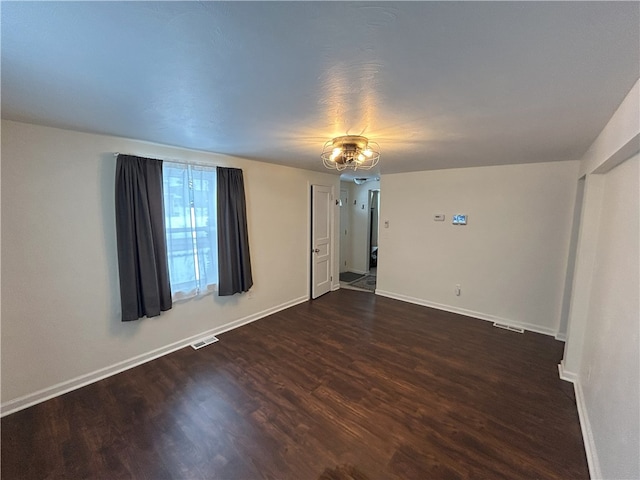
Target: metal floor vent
[[509, 327], [204, 342]]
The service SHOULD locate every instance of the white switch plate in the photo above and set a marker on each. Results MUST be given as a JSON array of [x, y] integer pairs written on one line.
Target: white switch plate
[[438, 217]]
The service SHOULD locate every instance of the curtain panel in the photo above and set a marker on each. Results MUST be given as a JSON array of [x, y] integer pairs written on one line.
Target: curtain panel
[[142, 254], [234, 260]]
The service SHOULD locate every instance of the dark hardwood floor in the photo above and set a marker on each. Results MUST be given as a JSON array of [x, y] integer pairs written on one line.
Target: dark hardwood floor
[[350, 381]]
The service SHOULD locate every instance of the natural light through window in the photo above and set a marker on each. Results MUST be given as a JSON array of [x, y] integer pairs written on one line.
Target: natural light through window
[[191, 228]]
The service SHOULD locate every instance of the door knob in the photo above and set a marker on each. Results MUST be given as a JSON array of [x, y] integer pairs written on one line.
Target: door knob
[[317, 250]]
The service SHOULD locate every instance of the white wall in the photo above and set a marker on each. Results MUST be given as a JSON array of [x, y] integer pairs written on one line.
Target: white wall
[[345, 227], [60, 299], [571, 260], [610, 367], [511, 258], [602, 357]]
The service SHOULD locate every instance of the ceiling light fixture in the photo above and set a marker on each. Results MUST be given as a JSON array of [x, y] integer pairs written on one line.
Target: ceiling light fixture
[[350, 151]]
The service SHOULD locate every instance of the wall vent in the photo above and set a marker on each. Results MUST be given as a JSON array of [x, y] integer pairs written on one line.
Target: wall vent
[[509, 327], [204, 342]]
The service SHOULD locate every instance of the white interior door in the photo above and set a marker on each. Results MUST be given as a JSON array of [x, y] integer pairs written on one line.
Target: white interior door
[[320, 240]]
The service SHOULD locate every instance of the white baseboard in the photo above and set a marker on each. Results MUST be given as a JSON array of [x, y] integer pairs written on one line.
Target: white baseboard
[[561, 337], [565, 374], [40, 396], [468, 313], [585, 425], [587, 434], [360, 272]]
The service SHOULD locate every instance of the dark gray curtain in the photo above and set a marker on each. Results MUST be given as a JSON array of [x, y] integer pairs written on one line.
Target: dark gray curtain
[[234, 262], [142, 252]]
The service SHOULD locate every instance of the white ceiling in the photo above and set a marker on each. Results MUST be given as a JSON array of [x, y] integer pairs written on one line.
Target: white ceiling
[[436, 84]]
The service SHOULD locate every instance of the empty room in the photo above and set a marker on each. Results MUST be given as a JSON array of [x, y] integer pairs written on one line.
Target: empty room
[[320, 240]]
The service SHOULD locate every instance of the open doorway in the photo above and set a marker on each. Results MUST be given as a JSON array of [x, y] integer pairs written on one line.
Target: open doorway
[[374, 223], [359, 220]]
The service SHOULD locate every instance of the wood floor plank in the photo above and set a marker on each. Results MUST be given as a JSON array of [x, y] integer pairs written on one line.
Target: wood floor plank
[[347, 382]]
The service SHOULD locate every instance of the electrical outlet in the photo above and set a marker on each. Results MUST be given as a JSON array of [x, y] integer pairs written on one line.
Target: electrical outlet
[[458, 290]]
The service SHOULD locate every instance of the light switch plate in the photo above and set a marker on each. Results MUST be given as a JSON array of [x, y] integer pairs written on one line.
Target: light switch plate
[[438, 217]]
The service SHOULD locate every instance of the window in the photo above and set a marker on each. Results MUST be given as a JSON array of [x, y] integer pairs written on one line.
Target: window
[[190, 228]]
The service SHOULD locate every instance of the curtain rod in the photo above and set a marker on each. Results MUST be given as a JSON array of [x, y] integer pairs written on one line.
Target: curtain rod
[[171, 160]]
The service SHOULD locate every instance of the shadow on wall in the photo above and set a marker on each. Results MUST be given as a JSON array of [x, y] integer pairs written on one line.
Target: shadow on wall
[[107, 190]]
